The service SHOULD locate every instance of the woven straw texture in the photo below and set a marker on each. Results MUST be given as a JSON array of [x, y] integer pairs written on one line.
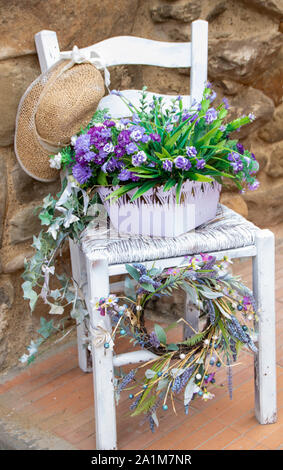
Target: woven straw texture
[[228, 230], [54, 107]]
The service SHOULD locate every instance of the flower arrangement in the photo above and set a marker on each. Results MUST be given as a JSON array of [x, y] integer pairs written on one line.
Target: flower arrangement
[[160, 145], [227, 309]]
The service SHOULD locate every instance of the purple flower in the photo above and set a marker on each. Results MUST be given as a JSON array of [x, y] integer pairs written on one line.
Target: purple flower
[[105, 133], [212, 96], [139, 158], [254, 185], [154, 341], [137, 133], [115, 92], [167, 165], [191, 151], [233, 157], [136, 118], [169, 127], [226, 103], [99, 158], [222, 128], [240, 148], [82, 144], [109, 123], [131, 148], [155, 137], [89, 156], [211, 115], [124, 137], [145, 138], [200, 164], [124, 175], [119, 151], [251, 117], [81, 173], [134, 177], [125, 121], [182, 163]]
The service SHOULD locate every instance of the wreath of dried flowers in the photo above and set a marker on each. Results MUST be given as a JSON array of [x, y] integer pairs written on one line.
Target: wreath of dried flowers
[[227, 309]]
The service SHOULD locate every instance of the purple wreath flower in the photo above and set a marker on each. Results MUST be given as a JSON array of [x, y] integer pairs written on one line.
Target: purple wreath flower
[[139, 158], [99, 158], [210, 116], [154, 341], [82, 144], [134, 177], [106, 133], [191, 151], [167, 165], [81, 173]]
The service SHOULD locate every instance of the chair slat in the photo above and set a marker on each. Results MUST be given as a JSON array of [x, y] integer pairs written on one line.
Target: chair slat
[[122, 50], [119, 109]]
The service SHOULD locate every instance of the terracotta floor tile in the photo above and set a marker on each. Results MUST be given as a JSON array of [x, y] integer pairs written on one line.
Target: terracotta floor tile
[[241, 443], [200, 436], [274, 440], [221, 440]]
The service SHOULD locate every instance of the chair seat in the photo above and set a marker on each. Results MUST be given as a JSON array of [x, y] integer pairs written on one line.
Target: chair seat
[[227, 231]]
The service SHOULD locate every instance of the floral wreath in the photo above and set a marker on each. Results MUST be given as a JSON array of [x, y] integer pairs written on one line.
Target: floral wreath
[[226, 305]]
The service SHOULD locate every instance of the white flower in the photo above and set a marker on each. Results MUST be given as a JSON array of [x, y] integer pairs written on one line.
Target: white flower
[[108, 148], [73, 139], [32, 348], [111, 300], [55, 161], [24, 358], [207, 396], [120, 126]]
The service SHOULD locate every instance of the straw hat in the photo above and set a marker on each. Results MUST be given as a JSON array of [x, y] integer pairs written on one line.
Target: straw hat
[[54, 108]]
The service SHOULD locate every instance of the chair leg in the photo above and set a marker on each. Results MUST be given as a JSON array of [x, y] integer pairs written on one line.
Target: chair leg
[[265, 360], [102, 359], [78, 273]]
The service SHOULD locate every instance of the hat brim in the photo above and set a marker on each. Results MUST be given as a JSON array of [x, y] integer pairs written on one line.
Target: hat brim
[[32, 157]]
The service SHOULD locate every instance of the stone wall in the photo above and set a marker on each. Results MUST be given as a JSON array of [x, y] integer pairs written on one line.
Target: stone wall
[[245, 64]]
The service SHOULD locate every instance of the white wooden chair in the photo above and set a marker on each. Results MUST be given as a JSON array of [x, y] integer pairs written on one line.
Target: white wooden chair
[[94, 262]]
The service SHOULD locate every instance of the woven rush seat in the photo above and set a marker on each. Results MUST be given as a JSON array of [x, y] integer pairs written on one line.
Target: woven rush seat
[[227, 231]]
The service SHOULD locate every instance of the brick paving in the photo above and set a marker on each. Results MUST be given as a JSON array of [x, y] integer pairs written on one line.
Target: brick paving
[[54, 397]]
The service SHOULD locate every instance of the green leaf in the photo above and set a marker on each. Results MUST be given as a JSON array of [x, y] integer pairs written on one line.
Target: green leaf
[[148, 287], [172, 347], [120, 191], [29, 294], [56, 309], [102, 178], [145, 187], [134, 273], [45, 218], [129, 288], [160, 333], [169, 184]]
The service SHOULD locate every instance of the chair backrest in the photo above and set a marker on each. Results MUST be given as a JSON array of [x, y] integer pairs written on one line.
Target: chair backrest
[[125, 50]]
